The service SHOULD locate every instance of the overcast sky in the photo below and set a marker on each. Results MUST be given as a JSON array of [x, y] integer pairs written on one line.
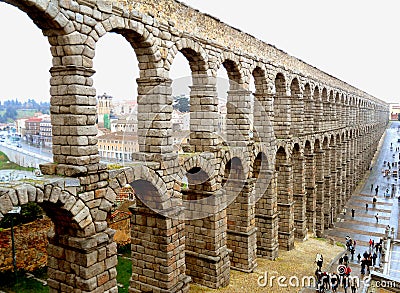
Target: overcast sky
[[354, 40]]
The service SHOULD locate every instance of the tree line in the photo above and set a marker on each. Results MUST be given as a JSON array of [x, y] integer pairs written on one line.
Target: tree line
[[11, 108]]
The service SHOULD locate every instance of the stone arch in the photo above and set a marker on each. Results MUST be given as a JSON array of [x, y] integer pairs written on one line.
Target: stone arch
[[309, 108], [299, 192], [307, 91], [228, 156], [319, 109], [58, 204], [280, 85], [194, 165], [262, 107], [75, 237], [128, 175], [316, 93], [241, 230], [148, 221], [295, 89], [296, 108], [55, 25], [266, 219], [261, 172], [238, 100], [331, 98], [310, 185], [282, 109], [139, 37], [324, 95], [232, 65], [319, 187], [203, 95], [260, 80], [194, 53], [285, 198], [327, 182], [46, 15]]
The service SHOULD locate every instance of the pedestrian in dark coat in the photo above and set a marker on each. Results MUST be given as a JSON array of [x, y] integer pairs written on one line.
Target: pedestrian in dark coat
[[345, 259], [359, 257], [374, 256]]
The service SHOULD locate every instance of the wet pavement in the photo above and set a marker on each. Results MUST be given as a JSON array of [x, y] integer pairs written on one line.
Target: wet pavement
[[364, 226]]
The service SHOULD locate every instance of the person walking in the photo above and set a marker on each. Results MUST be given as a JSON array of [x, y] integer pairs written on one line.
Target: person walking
[[377, 218], [345, 283], [334, 282], [366, 207], [374, 200], [319, 259], [363, 264], [345, 259], [374, 256], [352, 251], [353, 284], [372, 187], [352, 213]]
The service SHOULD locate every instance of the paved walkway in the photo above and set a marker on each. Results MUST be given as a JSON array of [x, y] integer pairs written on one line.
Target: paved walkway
[[363, 226]]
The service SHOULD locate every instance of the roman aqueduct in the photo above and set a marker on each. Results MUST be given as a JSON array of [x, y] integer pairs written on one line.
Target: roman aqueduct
[[252, 193]]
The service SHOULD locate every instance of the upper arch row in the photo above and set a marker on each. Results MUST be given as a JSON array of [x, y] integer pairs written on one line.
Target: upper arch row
[[68, 23]]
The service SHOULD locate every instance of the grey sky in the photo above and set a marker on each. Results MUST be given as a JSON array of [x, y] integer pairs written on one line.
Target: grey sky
[[356, 41]]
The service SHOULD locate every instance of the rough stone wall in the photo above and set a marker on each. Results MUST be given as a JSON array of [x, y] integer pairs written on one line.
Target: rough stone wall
[[30, 243], [77, 256]]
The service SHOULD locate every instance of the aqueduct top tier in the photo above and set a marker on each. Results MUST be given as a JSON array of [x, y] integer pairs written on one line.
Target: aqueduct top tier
[[210, 32]]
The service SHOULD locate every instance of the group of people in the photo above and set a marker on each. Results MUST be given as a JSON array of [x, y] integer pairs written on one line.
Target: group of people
[[343, 278], [332, 281], [350, 246], [369, 258]]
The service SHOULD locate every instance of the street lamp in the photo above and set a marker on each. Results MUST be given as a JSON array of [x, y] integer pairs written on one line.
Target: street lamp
[[14, 211]]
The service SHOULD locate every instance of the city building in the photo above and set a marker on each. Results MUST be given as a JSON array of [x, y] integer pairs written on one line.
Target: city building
[[103, 110], [20, 126], [45, 132], [32, 130], [180, 121], [124, 123], [118, 146], [124, 107]]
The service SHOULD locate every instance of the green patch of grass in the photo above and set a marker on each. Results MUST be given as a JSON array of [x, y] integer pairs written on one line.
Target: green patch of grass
[[32, 181], [6, 164], [320, 239], [23, 284], [124, 269], [340, 244], [114, 166]]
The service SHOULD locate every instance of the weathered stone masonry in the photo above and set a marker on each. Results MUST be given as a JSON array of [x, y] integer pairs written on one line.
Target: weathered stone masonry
[[313, 138]]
